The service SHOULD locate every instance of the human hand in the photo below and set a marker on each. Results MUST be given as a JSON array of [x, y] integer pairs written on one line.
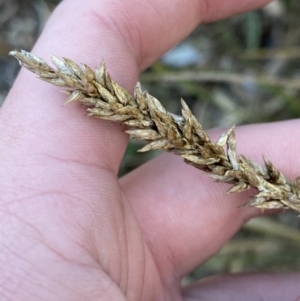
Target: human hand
[[69, 229]]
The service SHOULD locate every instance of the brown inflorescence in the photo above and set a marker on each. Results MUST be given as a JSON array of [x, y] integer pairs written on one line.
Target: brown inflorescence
[[145, 118]]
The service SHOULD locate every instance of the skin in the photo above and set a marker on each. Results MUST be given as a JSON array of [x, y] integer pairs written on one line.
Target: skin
[[70, 230]]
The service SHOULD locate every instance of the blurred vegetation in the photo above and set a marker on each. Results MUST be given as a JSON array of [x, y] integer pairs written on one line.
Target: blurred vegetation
[[241, 70]]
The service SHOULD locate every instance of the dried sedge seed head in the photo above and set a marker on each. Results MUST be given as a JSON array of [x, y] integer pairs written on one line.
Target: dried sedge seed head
[[145, 118]]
